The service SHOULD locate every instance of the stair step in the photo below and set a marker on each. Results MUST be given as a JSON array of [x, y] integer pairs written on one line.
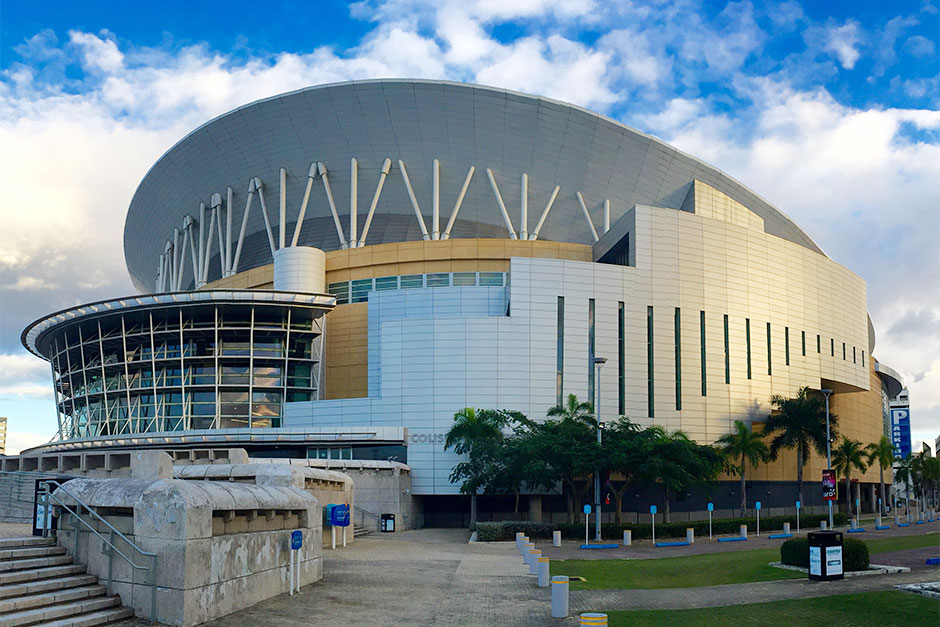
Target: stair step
[[40, 573], [34, 562], [49, 598], [90, 619], [63, 610], [45, 585], [16, 543], [33, 551]]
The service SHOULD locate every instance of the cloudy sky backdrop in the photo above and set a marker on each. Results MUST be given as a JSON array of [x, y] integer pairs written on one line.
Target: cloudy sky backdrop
[[831, 113]]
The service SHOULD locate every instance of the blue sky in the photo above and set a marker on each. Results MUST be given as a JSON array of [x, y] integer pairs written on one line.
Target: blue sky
[[827, 109]]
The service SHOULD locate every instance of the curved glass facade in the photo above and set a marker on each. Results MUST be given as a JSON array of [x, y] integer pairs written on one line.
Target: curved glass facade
[[190, 365]]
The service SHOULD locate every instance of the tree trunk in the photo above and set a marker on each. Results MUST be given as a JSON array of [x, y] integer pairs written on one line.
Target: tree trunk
[[743, 490], [473, 509], [618, 496], [666, 507], [881, 470], [516, 509], [848, 493], [570, 500], [799, 471]]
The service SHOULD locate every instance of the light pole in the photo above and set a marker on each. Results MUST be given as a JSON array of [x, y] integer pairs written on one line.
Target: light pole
[[598, 363], [826, 393]]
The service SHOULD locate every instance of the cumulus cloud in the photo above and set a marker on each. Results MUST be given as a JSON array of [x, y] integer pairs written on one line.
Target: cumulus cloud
[[854, 176]]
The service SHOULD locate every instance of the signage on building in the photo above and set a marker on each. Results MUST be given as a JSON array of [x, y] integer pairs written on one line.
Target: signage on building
[[829, 485], [901, 432]]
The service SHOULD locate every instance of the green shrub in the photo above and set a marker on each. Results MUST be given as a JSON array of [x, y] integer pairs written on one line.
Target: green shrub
[[506, 529], [854, 554], [795, 552]]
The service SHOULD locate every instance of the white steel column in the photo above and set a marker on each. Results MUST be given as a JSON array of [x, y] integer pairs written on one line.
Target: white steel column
[[502, 205], [329, 197], [218, 226], [241, 234], [414, 201], [436, 200], [175, 263], [311, 174], [587, 216], [524, 208], [353, 203], [229, 205], [264, 212], [202, 239], [192, 249], [463, 192], [208, 255], [548, 207], [282, 217], [386, 165], [606, 215]]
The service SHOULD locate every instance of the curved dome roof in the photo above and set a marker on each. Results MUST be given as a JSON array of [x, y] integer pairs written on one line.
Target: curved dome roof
[[415, 122]]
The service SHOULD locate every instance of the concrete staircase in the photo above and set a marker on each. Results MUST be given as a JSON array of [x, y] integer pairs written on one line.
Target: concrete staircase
[[358, 531], [39, 585]]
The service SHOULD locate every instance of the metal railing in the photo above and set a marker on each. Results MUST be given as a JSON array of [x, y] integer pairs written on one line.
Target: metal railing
[[363, 514], [48, 497]]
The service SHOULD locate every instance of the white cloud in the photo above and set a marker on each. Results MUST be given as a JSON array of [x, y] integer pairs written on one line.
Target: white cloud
[[843, 41], [23, 376], [18, 441]]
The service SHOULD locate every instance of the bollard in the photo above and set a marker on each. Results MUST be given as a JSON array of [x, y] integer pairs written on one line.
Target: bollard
[[522, 543], [534, 561], [627, 537], [743, 531], [559, 596], [854, 523], [897, 520], [519, 537], [526, 548], [556, 538], [544, 577], [592, 618], [690, 535], [822, 525], [786, 528]]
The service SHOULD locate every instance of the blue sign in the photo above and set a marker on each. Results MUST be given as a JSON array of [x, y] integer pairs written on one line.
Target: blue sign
[[587, 509], [339, 515], [798, 505], [711, 507], [901, 432], [296, 540], [757, 505], [652, 509]]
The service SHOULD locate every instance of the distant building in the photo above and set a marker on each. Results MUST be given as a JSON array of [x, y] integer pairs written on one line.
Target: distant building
[[3, 435]]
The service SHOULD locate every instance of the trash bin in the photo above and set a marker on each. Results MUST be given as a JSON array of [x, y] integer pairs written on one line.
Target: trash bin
[[825, 555], [387, 523]]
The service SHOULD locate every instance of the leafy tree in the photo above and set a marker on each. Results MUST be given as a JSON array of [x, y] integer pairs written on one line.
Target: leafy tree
[[626, 449], [747, 446], [906, 473], [477, 435], [574, 411], [799, 423], [881, 452], [847, 455], [931, 472]]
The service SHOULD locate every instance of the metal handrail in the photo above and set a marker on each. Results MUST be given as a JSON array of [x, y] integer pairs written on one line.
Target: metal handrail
[[47, 495], [364, 513]]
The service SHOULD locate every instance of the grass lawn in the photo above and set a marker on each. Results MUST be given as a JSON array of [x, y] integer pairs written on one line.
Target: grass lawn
[[712, 569], [692, 571], [867, 608], [900, 544]]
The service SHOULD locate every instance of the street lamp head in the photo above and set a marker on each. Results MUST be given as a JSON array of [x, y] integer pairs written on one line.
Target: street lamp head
[[600, 361], [826, 391]]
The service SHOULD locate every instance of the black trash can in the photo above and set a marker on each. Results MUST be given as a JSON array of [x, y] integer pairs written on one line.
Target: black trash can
[[825, 555], [387, 523]]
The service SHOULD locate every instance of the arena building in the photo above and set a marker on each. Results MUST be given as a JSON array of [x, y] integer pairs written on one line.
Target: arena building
[[334, 272]]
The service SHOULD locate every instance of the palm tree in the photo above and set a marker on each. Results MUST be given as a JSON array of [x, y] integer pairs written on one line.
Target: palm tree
[[747, 446], [848, 454], [575, 411], [798, 423], [882, 452], [469, 435]]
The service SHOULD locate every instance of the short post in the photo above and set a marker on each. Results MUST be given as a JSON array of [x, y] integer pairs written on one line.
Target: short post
[[534, 555], [522, 547], [587, 515], [897, 519], [711, 508], [344, 537], [556, 539], [786, 528], [519, 536], [333, 537], [653, 516], [690, 535], [627, 537], [527, 552], [822, 525], [543, 572], [592, 618], [798, 517], [743, 531], [559, 596], [296, 543], [878, 522], [757, 505], [854, 523]]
